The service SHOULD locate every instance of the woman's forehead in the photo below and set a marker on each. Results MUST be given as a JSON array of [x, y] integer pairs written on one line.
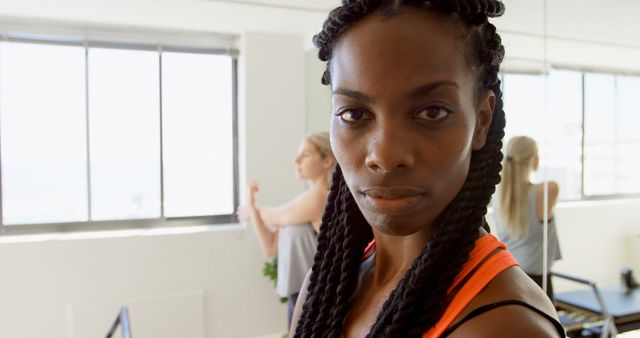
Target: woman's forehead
[[306, 145], [417, 44]]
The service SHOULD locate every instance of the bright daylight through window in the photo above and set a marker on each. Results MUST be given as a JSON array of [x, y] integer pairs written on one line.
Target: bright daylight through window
[[113, 134], [587, 135]]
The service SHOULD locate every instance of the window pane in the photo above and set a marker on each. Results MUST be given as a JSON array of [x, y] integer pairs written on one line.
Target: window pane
[[627, 136], [563, 143], [43, 128], [600, 134], [627, 142], [524, 106], [198, 140], [558, 132], [124, 115]]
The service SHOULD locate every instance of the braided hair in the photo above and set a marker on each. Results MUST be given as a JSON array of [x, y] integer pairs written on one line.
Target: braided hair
[[419, 299]]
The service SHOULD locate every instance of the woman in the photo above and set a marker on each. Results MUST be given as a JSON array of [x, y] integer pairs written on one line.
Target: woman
[[289, 230], [520, 210], [416, 130]]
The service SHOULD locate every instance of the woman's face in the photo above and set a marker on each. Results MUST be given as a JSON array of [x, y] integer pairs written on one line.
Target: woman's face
[[405, 117], [309, 162]]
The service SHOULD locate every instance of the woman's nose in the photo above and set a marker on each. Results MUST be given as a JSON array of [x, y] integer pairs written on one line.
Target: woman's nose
[[389, 150]]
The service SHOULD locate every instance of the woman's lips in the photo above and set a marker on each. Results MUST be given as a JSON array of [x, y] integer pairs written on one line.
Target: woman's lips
[[392, 200]]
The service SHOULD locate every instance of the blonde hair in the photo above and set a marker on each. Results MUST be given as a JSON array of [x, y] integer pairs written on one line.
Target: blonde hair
[[518, 164], [320, 141]]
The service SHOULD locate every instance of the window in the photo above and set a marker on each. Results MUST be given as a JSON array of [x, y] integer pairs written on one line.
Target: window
[[584, 130], [112, 134], [612, 143]]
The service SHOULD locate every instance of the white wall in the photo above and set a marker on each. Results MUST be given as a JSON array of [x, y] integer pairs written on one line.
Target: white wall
[[527, 53], [55, 288], [318, 96], [580, 34], [180, 15], [596, 239], [273, 97]]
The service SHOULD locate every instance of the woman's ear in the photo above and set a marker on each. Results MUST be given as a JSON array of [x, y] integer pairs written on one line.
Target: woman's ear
[[327, 162], [484, 115]]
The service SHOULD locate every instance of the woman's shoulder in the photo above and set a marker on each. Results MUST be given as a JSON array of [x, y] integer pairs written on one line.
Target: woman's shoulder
[[516, 291], [553, 193]]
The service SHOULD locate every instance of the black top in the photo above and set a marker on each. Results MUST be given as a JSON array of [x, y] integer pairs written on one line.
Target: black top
[[490, 307]]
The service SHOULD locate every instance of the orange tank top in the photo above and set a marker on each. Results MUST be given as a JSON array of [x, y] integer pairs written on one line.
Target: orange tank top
[[481, 277]]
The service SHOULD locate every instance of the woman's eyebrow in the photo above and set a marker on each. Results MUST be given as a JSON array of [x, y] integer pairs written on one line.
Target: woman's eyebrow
[[354, 94], [420, 91], [426, 89]]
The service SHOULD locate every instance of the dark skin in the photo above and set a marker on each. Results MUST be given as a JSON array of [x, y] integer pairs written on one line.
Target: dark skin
[[406, 118]]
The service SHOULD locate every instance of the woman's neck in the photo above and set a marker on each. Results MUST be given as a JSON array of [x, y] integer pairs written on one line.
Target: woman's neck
[[395, 255], [318, 183]]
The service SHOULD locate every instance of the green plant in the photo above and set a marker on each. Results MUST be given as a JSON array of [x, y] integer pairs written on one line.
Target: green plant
[[270, 270]]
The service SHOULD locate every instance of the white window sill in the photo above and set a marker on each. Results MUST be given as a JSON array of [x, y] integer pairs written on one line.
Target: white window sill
[[178, 230]]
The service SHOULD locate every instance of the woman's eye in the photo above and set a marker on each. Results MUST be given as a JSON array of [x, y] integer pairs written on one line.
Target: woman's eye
[[351, 115], [434, 113]]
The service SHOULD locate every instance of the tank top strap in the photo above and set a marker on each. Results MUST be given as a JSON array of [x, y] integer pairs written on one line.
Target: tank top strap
[[485, 245], [482, 276], [368, 251]]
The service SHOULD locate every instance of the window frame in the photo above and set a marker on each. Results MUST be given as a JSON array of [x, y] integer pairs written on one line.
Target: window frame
[[140, 223]]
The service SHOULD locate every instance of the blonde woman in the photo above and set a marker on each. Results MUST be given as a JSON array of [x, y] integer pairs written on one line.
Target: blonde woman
[[289, 230], [520, 210]]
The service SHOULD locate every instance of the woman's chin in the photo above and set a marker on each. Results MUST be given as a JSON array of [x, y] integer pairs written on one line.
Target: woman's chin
[[395, 225]]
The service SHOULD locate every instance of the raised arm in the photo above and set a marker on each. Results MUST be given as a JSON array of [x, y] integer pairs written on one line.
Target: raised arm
[[267, 237], [304, 208]]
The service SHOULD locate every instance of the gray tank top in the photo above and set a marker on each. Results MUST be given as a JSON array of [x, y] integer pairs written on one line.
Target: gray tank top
[[296, 249], [528, 249]]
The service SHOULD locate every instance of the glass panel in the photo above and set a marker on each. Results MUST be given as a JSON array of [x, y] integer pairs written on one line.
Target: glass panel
[[562, 155], [124, 110], [559, 133], [43, 128], [197, 119], [600, 134], [524, 106], [628, 138]]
